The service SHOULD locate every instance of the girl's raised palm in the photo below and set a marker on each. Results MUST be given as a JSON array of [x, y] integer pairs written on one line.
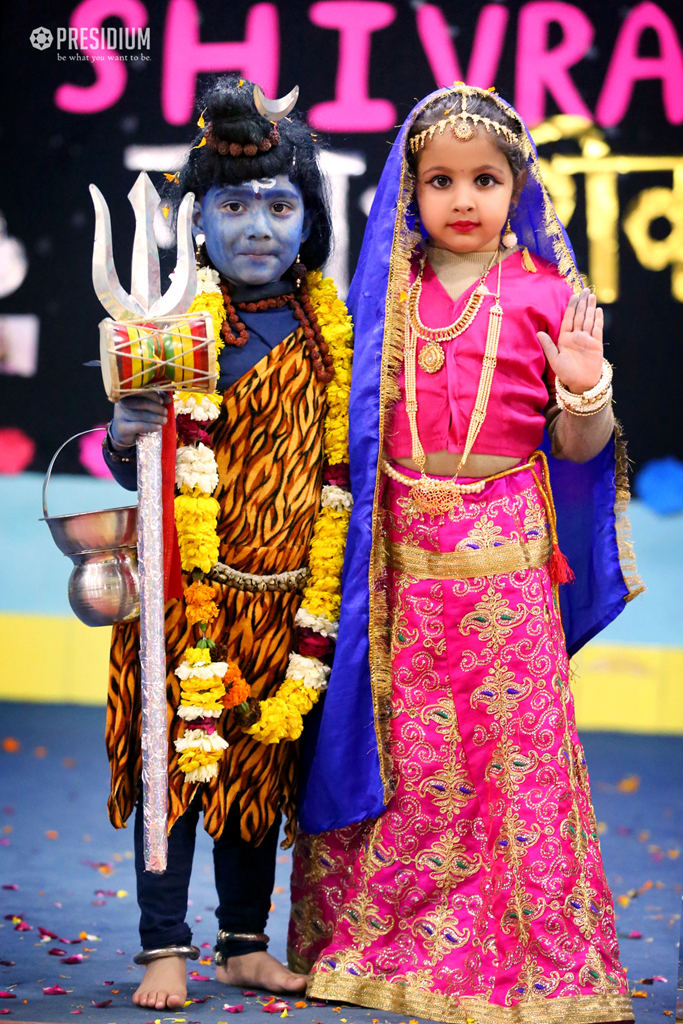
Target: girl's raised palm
[[577, 357]]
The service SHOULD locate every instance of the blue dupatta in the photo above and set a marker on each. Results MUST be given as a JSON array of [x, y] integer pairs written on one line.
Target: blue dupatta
[[345, 767]]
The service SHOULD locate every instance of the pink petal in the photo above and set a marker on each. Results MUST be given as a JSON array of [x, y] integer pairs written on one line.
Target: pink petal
[[107, 982], [54, 990], [635, 935], [56, 952], [50, 935], [658, 977], [7, 995], [10, 887], [248, 992], [107, 1002], [77, 959], [236, 1009], [5, 1011], [204, 999], [23, 927], [199, 977], [206, 945], [77, 1011]]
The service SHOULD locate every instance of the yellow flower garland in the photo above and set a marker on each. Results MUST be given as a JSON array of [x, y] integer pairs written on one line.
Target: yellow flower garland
[[281, 716]]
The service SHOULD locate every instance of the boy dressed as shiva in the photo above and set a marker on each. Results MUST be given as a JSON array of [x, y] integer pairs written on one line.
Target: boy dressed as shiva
[[262, 500]]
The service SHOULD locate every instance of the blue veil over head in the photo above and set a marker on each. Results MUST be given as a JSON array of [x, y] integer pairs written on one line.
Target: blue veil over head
[[346, 772]]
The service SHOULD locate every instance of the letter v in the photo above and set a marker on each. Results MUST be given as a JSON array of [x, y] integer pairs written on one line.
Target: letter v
[[438, 45]]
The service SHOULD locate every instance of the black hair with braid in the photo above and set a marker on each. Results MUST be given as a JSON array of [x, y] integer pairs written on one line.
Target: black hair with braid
[[228, 108]]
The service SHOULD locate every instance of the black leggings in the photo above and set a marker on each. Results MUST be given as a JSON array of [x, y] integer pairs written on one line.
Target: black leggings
[[244, 874]]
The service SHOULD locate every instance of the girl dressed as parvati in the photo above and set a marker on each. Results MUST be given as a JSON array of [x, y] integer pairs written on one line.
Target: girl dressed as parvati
[[449, 865]]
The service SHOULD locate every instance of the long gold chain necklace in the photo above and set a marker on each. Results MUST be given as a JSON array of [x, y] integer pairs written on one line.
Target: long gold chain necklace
[[436, 497], [432, 356]]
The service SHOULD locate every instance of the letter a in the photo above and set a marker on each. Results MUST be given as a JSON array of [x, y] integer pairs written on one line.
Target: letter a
[[626, 67]]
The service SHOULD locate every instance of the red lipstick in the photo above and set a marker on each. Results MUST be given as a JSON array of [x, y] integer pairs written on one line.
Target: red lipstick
[[464, 226]]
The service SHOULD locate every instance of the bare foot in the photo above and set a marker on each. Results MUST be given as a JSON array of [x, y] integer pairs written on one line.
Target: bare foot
[[260, 970], [164, 984]]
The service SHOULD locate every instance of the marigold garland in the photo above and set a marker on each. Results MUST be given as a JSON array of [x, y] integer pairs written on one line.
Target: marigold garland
[[306, 676], [207, 687], [200, 605], [209, 298]]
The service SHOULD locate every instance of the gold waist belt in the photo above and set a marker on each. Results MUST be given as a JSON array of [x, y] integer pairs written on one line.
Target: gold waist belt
[[283, 581], [464, 565]]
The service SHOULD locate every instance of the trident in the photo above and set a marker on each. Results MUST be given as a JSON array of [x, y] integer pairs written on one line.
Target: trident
[[145, 299]]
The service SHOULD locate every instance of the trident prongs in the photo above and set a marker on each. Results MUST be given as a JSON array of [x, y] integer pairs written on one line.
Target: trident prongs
[[183, 288], [115, 300], [145, 284], [275, 110], [145, 298]]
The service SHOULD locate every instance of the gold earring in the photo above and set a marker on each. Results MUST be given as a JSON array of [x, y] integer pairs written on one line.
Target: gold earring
[[509, 238]]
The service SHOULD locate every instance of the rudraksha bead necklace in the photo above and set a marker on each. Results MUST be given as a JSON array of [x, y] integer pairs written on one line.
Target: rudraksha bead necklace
[[235, 333]]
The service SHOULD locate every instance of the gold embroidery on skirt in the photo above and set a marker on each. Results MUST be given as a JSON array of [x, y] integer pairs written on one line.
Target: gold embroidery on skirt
[[422, 564], [399, 998]]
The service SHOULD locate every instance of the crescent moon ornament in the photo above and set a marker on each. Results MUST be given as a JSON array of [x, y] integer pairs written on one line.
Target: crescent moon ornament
[[275, 110]]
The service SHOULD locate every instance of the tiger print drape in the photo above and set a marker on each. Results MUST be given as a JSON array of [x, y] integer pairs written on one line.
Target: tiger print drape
[[268, 443]]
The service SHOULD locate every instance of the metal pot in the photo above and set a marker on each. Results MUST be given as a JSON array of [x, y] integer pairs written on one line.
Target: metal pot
[[103, 586]]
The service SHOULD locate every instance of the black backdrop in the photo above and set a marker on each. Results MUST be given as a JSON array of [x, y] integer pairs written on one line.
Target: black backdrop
[[49, 157]]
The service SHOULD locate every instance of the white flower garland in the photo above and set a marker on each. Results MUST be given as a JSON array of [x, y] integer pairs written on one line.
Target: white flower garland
[[336, 498], [310, 671], [196, 466], [203, 410]]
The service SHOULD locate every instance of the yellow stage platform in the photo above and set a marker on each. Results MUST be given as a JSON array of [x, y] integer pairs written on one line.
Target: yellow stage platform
[[616, 688]]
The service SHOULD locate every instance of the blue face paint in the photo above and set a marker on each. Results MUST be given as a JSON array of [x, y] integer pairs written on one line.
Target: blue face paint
[[253, 230]]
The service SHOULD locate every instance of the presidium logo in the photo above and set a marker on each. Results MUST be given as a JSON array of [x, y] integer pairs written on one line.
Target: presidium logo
[[41, 38], [95, 39]]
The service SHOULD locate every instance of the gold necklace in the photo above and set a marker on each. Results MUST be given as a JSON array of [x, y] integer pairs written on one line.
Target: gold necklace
[[436, 497], [432, 356]]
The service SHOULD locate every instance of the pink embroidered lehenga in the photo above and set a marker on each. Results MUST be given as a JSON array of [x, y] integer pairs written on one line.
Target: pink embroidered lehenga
[[478, 896]]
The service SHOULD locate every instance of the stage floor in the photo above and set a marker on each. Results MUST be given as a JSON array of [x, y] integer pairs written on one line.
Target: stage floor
[[63, 868]]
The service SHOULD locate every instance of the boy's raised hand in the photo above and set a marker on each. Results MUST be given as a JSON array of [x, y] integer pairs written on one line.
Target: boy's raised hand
[[577, 357], [138, 414]]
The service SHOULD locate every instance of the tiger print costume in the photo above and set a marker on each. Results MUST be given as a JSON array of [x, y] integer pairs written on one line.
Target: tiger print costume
[[268, 443]]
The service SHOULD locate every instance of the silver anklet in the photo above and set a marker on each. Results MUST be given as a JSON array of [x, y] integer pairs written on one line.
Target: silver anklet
[[223, 936], [146, 956]]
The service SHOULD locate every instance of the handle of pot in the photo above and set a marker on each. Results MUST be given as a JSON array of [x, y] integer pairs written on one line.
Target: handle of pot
[[46, 481]]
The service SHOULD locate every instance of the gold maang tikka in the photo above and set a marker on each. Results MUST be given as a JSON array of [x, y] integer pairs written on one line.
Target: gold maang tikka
[[463, 125]]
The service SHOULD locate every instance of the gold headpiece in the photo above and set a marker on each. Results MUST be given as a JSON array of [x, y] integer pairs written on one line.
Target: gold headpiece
[[460, 127]]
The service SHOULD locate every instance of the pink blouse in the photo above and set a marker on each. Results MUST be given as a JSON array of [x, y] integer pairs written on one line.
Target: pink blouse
[[515, 416]]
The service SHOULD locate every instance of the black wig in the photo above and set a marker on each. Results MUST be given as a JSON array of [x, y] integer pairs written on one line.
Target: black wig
[[231, 117]]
